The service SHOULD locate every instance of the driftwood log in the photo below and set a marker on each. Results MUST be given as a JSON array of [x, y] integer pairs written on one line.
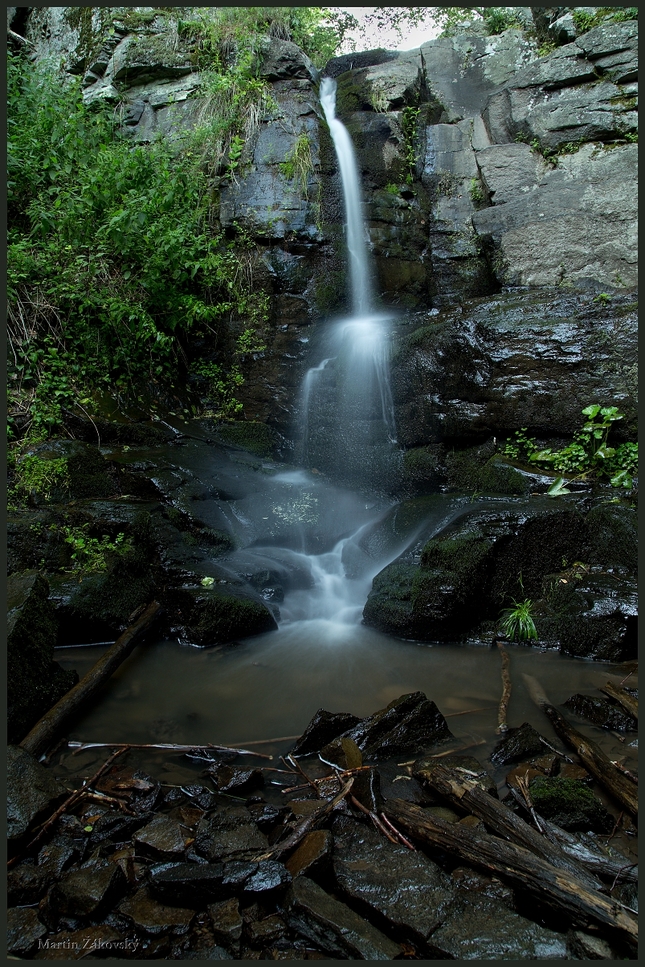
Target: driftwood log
[[466, 794], [623, 789], [555, 888], [596, 862], [628, 702], [47, 728]]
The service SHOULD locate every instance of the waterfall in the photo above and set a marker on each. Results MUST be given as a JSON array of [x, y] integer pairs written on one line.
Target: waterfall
[[358, 263], [347, 426]]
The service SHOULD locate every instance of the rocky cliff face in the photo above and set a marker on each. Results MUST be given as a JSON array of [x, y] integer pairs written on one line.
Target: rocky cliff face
[[486, 164]]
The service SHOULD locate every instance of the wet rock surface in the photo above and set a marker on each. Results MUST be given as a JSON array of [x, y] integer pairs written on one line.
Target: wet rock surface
[[31, 790], [190, 875]]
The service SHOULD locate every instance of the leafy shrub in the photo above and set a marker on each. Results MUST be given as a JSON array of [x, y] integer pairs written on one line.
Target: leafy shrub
[[111, 258], [92, 554], [589, 451]]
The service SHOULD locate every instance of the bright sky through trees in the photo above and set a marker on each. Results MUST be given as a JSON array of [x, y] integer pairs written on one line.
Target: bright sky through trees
[[368, 37]]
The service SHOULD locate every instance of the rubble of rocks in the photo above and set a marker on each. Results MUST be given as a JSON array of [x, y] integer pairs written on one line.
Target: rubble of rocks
[[306, 866]]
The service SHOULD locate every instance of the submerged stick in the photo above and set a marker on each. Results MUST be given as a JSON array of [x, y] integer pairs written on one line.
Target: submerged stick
[[169, 746], [45, 730], [502, 725]]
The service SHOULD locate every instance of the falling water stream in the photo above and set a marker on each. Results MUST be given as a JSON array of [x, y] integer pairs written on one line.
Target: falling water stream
[[327, 542]]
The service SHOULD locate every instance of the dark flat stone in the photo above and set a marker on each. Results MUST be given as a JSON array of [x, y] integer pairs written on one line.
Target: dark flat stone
[[333, 927]]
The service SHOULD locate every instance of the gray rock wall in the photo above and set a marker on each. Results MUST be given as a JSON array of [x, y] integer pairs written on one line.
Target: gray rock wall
[[484, 164]]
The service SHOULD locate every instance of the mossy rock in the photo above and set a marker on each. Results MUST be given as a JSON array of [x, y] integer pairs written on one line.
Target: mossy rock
[[570, 804], [101, 604], [217, 617], [422, 466], [481, 469], [613, 536], [592, 613], [389, 604], [257, 438], [35, 681], [86, 470]]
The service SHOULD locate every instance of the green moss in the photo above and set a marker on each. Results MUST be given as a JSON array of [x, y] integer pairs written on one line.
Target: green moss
[[462, 554], [218, 618], [257, 438], [220, 541], [569, 803]]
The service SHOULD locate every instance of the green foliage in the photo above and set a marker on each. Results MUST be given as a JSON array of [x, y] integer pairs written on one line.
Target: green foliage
[[298, 165], [392, 189], [585, 21], [631, 136], [93, 554], [517, 621], [39, 477], [603, 298], [230, 32], [521, 447], [590, 453], [476, 191], [546, 48], [451, 20], [112, 261]]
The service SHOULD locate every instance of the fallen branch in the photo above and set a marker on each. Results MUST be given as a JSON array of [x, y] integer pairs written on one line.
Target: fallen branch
[[628, 702], [590, 754], [306, 825], [45, 730], [169, 746], [376, 821], [66, 805], [595, 861], [522, 869], [19, 39], [502, 725], [468, 796]]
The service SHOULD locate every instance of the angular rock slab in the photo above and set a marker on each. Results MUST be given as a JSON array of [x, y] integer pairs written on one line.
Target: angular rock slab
[[400, 886], [323, 727], [488, 930], [155, 918], [30, 790], [24, 929], [409, 724], [88, 891], [229, 833], [333, 927]]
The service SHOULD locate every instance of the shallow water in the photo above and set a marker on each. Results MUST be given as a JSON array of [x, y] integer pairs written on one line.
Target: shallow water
[[270, 686]]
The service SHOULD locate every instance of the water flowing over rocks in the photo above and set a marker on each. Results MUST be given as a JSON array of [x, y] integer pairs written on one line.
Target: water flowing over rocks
[[499, 184]]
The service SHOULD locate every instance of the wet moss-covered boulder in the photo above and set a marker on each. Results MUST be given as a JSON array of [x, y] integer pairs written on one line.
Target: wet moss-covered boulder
[[35, 681], [462, 578], [217, 616], [593, 614], [100, 605], [570, 804], [257, 438], [85, 469]]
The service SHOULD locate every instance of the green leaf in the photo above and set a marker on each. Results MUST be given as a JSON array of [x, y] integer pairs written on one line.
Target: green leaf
[[557, 488], [592, 410]]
